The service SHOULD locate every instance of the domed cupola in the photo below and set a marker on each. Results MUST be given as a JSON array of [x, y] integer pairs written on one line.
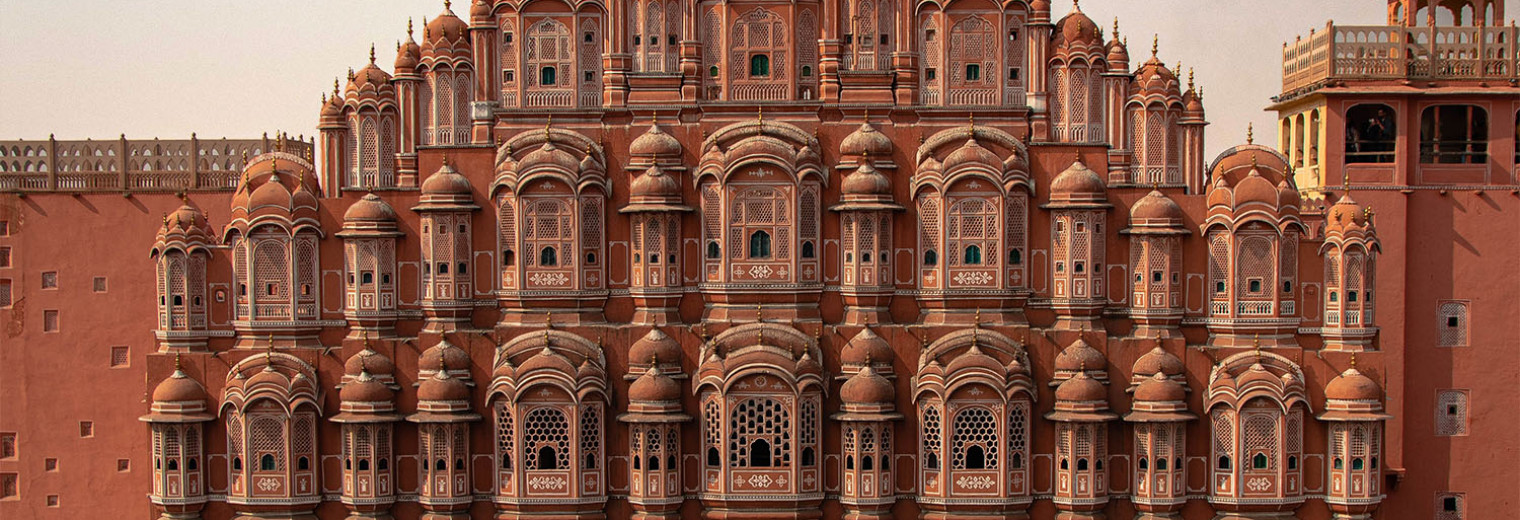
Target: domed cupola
[[186, 228], [370, 86], [1118, 51], [179, 398], [443, 398], [1253, 179], [656, 349], [275, 185], [656, 145], [370, 210], [446, 36], [1077, 33], [368, 391], [480, 11], [866, 141], [868, 392], [1155, 81], [655, 187], [866, 348], [408, 53], [654, 392], [970, 154], [1155, 211], [1157, 361], [866, 184], [444, 354], [1078, 186], [1081, 399], [1079, 358], [1159, 399], [446, 190]]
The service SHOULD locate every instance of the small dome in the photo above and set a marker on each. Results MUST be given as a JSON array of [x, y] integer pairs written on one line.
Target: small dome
[[372, 362], [370, 208], [1076, 30], [1193, 103], [271, 193], [1118, 54], [368, 79], [179, 387], [1346, 215], [1158, 361], [453, 358], [1220, 194], [1352, 385], [866, 181], [866, 141], [1159, 388], [1080, 356], [866, 348], [807, 364], [867, 388], [332, 107], [657, 346], [1255, 189], [971, 153], [444, 29], [547, 360], [443, 387], [1287, 194], [480, 9], [655, 183], [1081, 388], [1078, 182], [365, 389], [408, 55], [655, 142], [974, 359], [186, 225], [552, 155], [1156, 206], [446, 181], [654, 386], [1154, 79]]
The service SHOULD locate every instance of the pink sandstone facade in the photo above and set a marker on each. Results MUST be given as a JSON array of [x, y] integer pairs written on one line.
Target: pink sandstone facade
[[756, 260]]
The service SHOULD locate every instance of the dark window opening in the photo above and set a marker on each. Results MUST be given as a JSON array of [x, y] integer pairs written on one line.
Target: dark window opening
[[976, 458], [364, 465], [440, 465], [973, 255], [589, 76], [1259, 461], [173, 465], [589, 37], [712, 457], [883, 39], [1454, 134], [1161, 464], [1079, 267], [931, 258], [849, 462], [866, 463], [1015, 257], [1371, 134], [759, 454], [548, 257], [507, 258], [807, 249], [443, 268], [237, 464], [1224, 462], [712, 71], [303, 464], [266, 462], [547, 458], [807, 456], [1292, 462], [973, 72], [713, 251], [931, 459], [1255, 286], [591, 461], [930, 74], [547, 76], [759, 66], [506, 461], [760, 244], [367, 278], [1082, 464], [1017, 461], [807, 71], [1449, 504], [591, 258]]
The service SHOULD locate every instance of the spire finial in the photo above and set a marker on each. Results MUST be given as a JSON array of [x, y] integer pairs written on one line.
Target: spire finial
[[1256, 344], [269, 352], [656, 118], [1155, 44], [548, 123], [1190, 78], [971, 124], [1116, 28], [178, 366], [1251, 135], [448, 5], [760, 115], [549, 320], [759, 312], [166, 221], [371, 54], [977, 318], [366, 340], [1353, 360], [408, 27], [1076, 4]]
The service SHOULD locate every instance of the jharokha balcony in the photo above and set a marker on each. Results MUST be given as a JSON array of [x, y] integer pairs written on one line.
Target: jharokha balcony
[[1399, 53]]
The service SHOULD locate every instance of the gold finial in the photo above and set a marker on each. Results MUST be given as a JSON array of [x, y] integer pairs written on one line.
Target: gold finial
[[269, 352], [366, 340], [1155, 44], [335, 87], [445, 160], [166, 221], [548, 123], [448, 5], [760, 336], [657, 118], [759, 312], [1346, 181], [371, 54], [976, 321], [1190, 78], [1076, 4], [971, 124], [654, 359], [178, 366], [760, 114], [1353, 361], [1251, 135], [1256, 344], [1158, 337], [408, 27], [549, 320], [1116, 28]]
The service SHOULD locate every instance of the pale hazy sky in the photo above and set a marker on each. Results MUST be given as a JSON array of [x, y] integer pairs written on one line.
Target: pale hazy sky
[[223, 68]]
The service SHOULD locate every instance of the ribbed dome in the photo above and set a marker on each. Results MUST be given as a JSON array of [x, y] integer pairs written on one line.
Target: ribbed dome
[[1345, 216], [443, 387], [452, 358], [867, 388], [179, 387], [1077, 182], [186, 225], [445, 33], [971, 153], [866, 180], [1118, 54], [1156, 206], [446, 181], [408, 55], [866, 141], [365, 389], [656, 143], [866, 348], [551, 154], [1154, 79], [1080, 356], [655, 183], [657, 346], [1077, 30], [368, 80], [1352, 385], [1160, 388], [371, 208], [654, 386], [1158, 361], [549, 360], [974, 359], [1081, 388], [1255, 189], [374, 363]]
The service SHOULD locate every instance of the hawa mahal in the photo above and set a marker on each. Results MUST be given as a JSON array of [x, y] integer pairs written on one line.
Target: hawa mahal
[[758, 260]]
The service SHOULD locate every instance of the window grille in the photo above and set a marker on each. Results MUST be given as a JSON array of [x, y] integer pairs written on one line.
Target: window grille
[[1260, 432], [712, 424], [760, 424], [266, 436], [1018, 430], [7, 445], [1451, 506], [1224, 435], [931, 437], [1451, 413], [269, 265], [591, 435], [1453, 324], [503, 435], [5, 293], [119, 357], [546, 427], [974, 429], [1255, 261], [50, 279]]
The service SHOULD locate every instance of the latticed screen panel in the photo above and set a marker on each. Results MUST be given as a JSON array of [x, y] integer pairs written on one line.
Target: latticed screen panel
[[1018, 430], [1453, 325], [1260, 435], [303, 433], [306, 266], [712, 424], [504, 436], [546, 439], [266, 436], [712, 217], [269, 266], [235, 436], [1224, 436], [928, 224], [974, 428], [1451, 413], [808, 432], [591, 435], [1294, 437], [760, 434], [1288, 268], [931, 440], [1254, 265], [1155, 145]]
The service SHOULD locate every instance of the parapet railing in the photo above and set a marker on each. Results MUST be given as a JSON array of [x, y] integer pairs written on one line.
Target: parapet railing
[[153, 165], [1397, 52]]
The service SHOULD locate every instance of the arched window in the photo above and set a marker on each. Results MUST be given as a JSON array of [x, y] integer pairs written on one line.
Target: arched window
[[759, 66], [548, 257], [266, 462], [973, 255], [759, 454], [759, 245], [974, 439], [547, 439], [714, 252], [760, 434], [931, 258]]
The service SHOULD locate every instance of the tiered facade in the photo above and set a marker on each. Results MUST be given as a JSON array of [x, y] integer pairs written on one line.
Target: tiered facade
[[813, 260]]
